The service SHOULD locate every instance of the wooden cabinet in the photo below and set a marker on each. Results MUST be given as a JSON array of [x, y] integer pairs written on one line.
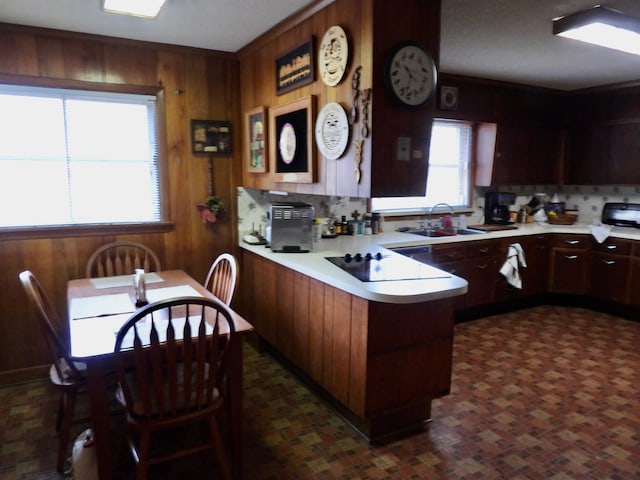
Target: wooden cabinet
[[610, 269], [569, 264], [382, 363], [634, 275], [525, 155], [535, 275]]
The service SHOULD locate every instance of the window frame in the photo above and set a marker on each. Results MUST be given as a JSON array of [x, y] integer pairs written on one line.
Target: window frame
[[422, 210], [57, 231]]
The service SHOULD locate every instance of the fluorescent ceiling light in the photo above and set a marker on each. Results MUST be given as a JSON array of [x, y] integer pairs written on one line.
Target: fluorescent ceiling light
[[138, 8], [601, 26]]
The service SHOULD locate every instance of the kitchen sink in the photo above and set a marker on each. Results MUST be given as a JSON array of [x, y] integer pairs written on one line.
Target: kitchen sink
[[442, 232]]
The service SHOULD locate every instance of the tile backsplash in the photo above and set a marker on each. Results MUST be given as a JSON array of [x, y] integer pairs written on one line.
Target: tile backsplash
[[253, 205]]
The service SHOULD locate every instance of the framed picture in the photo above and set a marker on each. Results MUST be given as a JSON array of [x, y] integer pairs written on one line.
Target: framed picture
[[291, 148], [210, 136], [295, 68], [256, 140]]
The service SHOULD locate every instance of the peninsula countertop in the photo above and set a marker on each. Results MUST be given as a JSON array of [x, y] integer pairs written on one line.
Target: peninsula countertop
[[315, 265]]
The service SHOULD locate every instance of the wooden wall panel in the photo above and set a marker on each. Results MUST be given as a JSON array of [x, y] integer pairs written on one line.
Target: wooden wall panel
[[195, 83]]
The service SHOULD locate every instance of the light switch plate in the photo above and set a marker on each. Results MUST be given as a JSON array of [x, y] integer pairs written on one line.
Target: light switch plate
[[404, 149]]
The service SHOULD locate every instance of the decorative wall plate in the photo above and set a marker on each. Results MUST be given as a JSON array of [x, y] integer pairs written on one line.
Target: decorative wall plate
[[287, 143], [333, 55], [332, 130]]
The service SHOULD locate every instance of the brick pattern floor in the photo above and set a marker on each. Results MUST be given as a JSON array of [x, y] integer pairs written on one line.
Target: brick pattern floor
[[543, 393]]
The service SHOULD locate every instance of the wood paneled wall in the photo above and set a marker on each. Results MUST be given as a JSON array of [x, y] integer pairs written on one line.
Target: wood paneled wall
[[197, 84]]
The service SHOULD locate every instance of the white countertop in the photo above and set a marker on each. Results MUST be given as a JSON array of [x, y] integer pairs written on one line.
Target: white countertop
[[314, 264]]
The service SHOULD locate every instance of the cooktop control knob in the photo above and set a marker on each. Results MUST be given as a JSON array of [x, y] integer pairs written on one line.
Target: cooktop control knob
[[368, 256], [378, 256], [348, 257], [358, 257]]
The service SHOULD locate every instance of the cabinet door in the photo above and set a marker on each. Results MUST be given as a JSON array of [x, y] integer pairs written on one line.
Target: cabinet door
[[525, 155], [482, 275], [610, 277], [569, 270], [534, 276], [587, 161], [624, 151]]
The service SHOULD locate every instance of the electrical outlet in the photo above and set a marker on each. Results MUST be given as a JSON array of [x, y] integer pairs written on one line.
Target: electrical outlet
[[404, 149]]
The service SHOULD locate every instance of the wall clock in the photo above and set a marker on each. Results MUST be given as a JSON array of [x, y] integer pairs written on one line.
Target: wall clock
[[410, 74], [332, 130], [333, 55]]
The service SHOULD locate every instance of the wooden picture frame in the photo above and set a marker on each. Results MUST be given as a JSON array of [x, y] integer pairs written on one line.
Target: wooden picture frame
[[256, 140], [210, 137], [296, 68], [291, 148]]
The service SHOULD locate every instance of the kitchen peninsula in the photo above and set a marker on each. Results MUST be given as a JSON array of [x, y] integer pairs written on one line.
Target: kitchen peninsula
[[381, 350]]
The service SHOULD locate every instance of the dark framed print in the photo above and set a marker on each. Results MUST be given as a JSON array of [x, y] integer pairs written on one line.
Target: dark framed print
[[448, 98], [295, 68], [210, 136], [256, 140], [291, 149]]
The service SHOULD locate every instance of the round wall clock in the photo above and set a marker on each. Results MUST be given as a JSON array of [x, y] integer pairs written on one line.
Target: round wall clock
[[410, 74], [332, 130], [333, 55], [287, 143]]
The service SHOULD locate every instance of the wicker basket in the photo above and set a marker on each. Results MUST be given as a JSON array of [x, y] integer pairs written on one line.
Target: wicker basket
[[563, 218]]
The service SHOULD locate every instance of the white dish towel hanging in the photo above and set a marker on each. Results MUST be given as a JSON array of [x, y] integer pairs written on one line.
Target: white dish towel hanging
[[511, 267]]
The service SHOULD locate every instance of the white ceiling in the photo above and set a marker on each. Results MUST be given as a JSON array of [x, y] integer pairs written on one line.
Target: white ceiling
[[507, 40]]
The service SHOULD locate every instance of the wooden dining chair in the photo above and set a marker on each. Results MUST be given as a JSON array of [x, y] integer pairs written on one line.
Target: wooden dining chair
[[171, 374], [65, 373], [223, 277], [121, 258]]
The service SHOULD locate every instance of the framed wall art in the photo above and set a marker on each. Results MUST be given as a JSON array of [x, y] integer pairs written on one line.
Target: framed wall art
[[295, 68], [291, 148], [256, 152], [210, 136]]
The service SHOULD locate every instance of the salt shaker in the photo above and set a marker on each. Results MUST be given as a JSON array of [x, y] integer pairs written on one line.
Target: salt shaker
[[140, 287]]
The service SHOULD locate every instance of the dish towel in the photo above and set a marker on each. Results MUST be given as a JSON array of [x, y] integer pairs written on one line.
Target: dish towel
[[511, 267], [599, 231]]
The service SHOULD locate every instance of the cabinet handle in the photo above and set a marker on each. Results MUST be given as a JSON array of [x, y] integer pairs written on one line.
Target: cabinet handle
[[609, 262], [571, 257], [482, 267], [451, 255], [572, 242], [611, 247], [483, 250]]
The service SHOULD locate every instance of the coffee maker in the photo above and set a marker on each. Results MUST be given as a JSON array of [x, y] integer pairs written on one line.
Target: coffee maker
[[496, 208]]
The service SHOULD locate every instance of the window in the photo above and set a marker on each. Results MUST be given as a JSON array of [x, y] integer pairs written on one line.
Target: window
[[449, 170], [72, 157]]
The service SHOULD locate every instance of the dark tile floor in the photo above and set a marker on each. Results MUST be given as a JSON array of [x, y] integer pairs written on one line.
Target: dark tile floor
[[542, 393]]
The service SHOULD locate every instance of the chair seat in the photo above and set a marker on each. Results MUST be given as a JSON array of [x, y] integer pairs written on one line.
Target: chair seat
[[68, 377], [138, 408]]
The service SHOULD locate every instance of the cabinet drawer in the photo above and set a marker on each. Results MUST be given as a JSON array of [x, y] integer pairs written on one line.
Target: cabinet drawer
[[483, 248], [616, 246], [448, 253], [578, 242]]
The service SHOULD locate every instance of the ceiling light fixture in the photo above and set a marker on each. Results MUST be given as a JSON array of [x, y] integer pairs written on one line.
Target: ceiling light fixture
[[137, 8], [601, 26]]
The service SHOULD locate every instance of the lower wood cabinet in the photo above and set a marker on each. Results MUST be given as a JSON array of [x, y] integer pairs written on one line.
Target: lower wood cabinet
[[383, 363], [569, 264], [611, 269]]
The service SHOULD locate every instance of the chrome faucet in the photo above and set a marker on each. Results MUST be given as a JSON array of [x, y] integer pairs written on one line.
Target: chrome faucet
[[441, 204]]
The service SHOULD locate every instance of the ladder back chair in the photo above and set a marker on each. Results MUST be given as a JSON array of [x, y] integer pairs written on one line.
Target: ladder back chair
[[222, 278], [121, 258], [171, 374], [66, 374]]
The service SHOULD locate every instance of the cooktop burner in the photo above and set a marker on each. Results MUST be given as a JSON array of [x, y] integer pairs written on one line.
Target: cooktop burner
[[378, 267]]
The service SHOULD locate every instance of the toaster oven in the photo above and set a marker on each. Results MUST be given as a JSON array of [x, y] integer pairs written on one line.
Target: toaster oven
[[292, 227]]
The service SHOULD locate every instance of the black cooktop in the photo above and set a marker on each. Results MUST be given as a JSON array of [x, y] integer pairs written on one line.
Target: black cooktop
[[384, 268]]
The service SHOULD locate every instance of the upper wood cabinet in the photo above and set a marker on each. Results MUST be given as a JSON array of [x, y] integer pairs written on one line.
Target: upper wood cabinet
[[366, 23]]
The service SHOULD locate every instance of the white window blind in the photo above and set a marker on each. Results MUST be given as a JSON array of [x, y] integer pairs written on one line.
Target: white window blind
[[449, 170], [72, 157]]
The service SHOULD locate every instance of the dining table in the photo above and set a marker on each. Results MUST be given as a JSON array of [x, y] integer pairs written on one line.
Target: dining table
[[97, 308]]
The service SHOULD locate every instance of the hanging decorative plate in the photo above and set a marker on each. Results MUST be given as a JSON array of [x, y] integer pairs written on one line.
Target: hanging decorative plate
[[333, 55], [287, 143], [332, 131]]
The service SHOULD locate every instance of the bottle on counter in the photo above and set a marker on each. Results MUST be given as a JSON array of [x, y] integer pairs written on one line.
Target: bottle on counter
[[317, 229], [375, 223], [337, 227], [344, 226]]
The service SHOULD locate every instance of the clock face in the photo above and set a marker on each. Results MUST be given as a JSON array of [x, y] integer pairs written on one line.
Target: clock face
[[332, 130], [333, 55], [410, 75]]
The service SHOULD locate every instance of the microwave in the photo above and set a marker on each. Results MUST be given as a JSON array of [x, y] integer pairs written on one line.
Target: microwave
[[292, 227]]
